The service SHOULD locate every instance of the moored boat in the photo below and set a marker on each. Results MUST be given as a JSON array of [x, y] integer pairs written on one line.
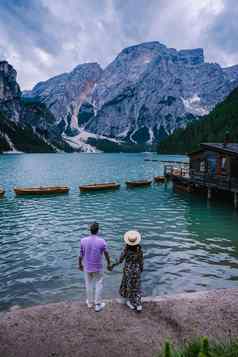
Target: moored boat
[[139, 183], [159, 179], [181, 183], [1, 191], [99, 186], [41, 190], [184, 188]]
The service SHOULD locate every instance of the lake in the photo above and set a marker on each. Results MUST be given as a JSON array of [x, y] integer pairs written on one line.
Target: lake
[[189, 244]]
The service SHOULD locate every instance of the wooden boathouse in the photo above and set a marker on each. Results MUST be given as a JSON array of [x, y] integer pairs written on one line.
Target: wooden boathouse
[[214, 167]]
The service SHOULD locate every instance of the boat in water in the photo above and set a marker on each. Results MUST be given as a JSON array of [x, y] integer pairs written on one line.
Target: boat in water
[[99, 186], [53, 190], [159, 179], [1, 191], [181, 183], [139, 183]]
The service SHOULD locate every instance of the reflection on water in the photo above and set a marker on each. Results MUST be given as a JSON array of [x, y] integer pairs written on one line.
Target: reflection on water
[[188, 245]]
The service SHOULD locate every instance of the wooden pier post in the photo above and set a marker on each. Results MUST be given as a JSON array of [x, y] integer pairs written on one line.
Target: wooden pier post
[[209, 193], [235, 199]]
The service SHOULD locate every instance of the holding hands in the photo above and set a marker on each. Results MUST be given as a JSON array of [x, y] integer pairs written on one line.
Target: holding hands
[[110, 267]]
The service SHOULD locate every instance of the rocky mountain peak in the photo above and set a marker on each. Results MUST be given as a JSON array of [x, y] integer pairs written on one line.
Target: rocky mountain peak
[[65, 93], [8, 86], [89, 66], [149, 90], [10, 92], [192, 57], [24, 125]]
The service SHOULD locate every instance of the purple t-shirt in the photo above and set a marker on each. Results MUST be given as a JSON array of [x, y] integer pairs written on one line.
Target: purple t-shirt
[[91, 250]]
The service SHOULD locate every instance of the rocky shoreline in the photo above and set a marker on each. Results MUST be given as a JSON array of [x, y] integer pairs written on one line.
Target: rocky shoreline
[[71, 329]]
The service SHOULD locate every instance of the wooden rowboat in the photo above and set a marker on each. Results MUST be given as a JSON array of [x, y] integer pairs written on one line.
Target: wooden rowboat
[[41, 190], [140, 183], [99, 186], [184, 188], [1, 192], [159, 179]]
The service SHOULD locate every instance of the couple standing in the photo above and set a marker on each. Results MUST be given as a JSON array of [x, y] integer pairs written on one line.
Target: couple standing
[[92, 249]]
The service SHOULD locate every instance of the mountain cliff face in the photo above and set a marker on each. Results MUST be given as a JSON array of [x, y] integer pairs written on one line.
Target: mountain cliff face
[[10, 93], [27, 127], [231, 73], [211, 128], [64, 94]]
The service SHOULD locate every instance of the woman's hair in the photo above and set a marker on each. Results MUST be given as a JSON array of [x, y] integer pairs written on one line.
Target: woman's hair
[[133, 248]]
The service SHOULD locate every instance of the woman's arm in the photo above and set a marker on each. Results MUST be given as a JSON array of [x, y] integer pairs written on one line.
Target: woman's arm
[[121, 258], [141, 261]]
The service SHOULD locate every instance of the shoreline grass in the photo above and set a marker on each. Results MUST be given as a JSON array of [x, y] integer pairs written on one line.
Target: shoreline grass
[[201, 348]]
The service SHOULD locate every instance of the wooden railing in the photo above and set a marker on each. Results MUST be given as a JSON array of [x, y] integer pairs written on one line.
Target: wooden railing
[[220, 182], [179, 169]]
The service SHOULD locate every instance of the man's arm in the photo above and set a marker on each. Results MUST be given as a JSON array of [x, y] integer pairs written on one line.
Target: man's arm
[[81, 255], [107, 256], [80, 263]]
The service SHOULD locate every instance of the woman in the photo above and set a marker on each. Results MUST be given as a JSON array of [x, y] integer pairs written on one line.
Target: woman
[[132, 254]]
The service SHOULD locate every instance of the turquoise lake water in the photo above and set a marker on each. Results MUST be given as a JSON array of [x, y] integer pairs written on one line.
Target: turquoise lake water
[[189, 244]]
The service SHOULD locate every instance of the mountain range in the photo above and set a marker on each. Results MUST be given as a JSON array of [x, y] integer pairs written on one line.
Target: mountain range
[[144, 95]]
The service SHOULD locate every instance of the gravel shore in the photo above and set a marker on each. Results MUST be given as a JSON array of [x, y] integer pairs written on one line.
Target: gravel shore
[[71, 329]]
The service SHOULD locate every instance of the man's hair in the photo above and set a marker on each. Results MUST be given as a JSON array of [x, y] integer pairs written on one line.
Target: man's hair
[[94, 228]]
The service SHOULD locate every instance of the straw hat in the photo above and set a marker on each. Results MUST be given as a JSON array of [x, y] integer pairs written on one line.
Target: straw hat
[[132, 237]]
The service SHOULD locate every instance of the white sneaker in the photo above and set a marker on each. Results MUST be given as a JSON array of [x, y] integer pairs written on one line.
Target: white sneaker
[[89, 304], [99, 307], [130, 305], [139, 308]]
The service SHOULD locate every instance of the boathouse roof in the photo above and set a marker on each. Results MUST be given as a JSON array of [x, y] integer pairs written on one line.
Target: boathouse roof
[[228, 148]]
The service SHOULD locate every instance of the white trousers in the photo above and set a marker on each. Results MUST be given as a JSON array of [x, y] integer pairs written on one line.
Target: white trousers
[[94, 280]]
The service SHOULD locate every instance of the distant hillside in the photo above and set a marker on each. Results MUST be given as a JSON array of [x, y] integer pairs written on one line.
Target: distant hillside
[[211, 128], [25, 124], [21, 138]]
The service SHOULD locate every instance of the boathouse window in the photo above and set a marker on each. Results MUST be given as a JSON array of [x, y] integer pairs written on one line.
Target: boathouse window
[[223, 165], [202, 166], [211, 165]]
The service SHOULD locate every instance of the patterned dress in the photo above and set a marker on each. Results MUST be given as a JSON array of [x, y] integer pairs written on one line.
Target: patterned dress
[[131, 280]]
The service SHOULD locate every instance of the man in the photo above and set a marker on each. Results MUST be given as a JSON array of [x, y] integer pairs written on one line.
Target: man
[[92, 249]]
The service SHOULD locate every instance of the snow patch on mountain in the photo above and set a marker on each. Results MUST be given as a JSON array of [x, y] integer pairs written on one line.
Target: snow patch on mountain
[[193, 105], [85, 135], [151, 139], [79, 142], [124, 133]]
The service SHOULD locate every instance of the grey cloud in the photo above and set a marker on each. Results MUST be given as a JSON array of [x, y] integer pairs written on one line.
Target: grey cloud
[[223, 32], [42, 38]]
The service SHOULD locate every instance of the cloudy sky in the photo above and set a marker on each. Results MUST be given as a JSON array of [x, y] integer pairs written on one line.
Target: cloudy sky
[[42, 38]]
